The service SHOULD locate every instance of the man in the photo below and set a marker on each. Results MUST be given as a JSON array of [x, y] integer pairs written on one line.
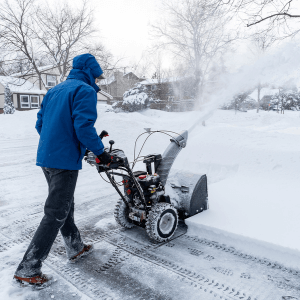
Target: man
[[66, 127]]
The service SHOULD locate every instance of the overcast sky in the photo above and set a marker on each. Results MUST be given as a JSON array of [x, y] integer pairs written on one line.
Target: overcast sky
[[124, 25]]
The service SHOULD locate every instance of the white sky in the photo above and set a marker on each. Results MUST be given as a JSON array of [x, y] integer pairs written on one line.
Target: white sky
[[124, 25]]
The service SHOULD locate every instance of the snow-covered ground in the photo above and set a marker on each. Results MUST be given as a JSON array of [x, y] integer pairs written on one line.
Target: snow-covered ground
[[252, 162]]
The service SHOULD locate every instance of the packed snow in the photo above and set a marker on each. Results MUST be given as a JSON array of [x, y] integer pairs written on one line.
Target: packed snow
[[251, 159]]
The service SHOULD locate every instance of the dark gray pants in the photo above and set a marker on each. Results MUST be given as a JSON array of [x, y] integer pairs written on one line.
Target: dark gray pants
[[59, 215]]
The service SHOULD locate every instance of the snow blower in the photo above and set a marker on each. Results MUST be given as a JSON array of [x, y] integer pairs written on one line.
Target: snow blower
[[153, 198]]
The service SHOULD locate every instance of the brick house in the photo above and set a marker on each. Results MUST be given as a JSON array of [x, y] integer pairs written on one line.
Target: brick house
[[118, 83]]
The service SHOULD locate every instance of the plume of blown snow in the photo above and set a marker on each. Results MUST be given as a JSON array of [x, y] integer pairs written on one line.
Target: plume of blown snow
[[278, 67]]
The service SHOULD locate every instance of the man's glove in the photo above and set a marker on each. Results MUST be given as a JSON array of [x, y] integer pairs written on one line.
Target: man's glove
[[103, 158]]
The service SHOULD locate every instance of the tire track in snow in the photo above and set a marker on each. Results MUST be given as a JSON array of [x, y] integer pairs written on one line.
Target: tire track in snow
[[194, 280], [262, 261]]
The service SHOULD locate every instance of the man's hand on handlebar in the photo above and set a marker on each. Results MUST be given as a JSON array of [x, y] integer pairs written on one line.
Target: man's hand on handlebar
[[104, 158]]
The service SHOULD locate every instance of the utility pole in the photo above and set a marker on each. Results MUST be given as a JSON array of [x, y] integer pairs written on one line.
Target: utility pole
[[258, 96]]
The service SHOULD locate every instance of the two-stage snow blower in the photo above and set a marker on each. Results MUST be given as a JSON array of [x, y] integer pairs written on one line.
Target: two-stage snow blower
[[153, 199]]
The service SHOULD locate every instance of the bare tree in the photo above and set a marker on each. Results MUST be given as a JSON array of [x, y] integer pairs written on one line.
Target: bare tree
[[260, 43], [17, 35], [103, 56], [63, 32], [194, 31], [283, 14], [34, 36], [160, 78], [143, 66]]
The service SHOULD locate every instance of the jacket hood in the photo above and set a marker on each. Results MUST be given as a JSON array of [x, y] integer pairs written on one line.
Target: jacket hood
[[86, 68]]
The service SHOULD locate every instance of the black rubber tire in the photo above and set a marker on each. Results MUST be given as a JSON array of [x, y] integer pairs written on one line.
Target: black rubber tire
[[122, 215], [161, 212]]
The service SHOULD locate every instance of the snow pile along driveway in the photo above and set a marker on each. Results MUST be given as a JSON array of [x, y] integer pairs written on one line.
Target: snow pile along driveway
[[253, 166]]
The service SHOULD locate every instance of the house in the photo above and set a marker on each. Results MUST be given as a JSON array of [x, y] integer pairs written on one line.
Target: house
[[118, 83], [161, 89], [50, 77], [25, 95], [172, 94], [25, 86], [266, 95]]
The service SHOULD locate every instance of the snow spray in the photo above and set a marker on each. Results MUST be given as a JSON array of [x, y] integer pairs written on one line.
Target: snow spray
[[278, 67]]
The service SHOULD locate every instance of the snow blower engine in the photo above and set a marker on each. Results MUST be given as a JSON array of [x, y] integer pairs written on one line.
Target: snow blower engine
[[154, 199]]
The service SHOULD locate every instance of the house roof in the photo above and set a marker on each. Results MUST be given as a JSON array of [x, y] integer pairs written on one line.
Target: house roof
[[263, 92], [41, 69], [18, 85], [163, 80], [112, 78], [107, 80]]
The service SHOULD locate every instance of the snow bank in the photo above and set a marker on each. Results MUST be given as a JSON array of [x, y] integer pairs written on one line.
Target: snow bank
[[252, 162]]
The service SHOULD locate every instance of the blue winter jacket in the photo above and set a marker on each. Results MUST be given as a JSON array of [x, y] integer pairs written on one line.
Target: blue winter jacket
[[67, 117]]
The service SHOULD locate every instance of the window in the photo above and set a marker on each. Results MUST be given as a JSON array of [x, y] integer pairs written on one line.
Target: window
[[29, 101], [35, 103], [153, 87], [51, 80], [25, 101]]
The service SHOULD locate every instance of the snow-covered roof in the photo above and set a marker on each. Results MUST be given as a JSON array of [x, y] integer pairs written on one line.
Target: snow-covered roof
[[128, 73], [18, 85], [112, 78], [106, 94], [107, 80], [264, 92], [41, 69], [163, 80]]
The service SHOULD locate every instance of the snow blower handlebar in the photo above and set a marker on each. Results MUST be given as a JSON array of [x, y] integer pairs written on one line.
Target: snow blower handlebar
[[103, 134], [119, 162]]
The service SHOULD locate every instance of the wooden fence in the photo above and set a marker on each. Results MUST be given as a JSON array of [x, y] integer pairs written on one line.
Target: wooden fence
[[175, 105]]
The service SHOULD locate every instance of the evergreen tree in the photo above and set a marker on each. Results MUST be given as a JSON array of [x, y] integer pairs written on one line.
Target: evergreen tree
[[135, 99], [8, 103], [241, 102], [286, 100]]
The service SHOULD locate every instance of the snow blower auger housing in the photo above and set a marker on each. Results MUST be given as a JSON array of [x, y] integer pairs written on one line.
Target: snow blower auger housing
[[152, 199]]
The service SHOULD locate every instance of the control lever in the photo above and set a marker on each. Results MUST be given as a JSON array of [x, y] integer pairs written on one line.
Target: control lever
[[111, 144], [103, 134]]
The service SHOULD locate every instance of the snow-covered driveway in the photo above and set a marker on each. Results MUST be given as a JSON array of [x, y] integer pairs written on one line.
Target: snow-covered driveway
[[232, 251]]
